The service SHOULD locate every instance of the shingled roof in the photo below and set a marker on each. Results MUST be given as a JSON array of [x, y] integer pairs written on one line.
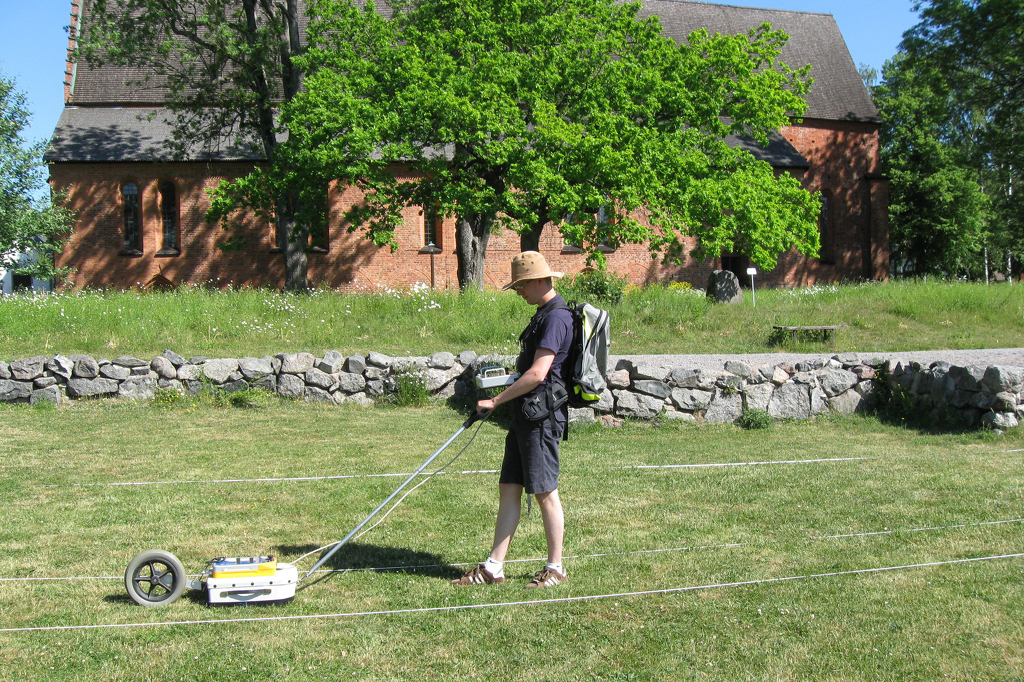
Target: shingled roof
[[102, 121], [100, 134]]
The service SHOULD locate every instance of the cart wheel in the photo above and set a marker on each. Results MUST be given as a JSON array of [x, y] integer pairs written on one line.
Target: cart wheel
[[154, 578]]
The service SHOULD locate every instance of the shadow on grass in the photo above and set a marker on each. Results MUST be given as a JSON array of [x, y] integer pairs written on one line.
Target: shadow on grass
[[361, 557]]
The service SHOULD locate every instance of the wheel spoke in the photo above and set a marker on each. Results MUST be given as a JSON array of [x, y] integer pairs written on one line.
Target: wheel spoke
[[160, 576]]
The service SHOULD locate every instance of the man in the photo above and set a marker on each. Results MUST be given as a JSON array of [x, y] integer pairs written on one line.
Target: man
[[531, 447]]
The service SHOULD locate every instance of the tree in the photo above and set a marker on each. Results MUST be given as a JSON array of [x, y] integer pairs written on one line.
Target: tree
[[868, 74], [939, 212], [519, 113], [227, 65], [976, 47], [27, 224]]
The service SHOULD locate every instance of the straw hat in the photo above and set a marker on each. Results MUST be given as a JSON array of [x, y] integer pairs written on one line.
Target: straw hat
[[530, 265]]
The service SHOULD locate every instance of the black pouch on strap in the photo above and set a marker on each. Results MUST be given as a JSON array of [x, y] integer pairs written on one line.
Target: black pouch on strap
[[544, 404]]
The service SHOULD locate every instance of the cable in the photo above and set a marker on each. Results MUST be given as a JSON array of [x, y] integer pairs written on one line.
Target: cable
[[480, 423], [597, 555], [536, 602], [292, 479]]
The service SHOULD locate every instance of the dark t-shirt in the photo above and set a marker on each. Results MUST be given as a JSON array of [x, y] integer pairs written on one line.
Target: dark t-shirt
[[550, 328]]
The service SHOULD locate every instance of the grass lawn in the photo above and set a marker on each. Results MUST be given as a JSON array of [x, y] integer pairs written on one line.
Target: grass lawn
[[744, 572], [894, 316]]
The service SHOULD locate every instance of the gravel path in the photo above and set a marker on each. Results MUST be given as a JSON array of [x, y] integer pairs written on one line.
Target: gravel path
[[1013, 357]]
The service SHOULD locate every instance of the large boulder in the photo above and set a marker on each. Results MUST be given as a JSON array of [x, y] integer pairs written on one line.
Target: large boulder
[[998, 379], [837, 381], [317, 378], [220, 371], [60, 366], [80, 387], [331, 363], [296, 363], [658, 389], [724, 287], [291, 386], [758, 396], [11, 391], [115, 372], [791, 401], [351, 383], [691, 399], [693, 378], [164, 368], [442, 360], [1000, 420], [726, 407], [50, 394], [86, 366], [256, 368], [28, 368], [138, 388], [638, 406]]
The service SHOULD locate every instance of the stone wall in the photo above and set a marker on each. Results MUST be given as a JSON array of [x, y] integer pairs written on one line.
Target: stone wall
[[844, 384]]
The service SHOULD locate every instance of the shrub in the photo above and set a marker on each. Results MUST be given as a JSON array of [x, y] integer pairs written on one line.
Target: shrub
[[210, 394], [173, 398], [755, 419], [410, 390], [593, 285], [894, 404]]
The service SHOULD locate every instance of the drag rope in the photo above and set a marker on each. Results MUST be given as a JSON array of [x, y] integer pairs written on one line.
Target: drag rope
[[537, 602], [706, 465], [600, 555], [426, 478]]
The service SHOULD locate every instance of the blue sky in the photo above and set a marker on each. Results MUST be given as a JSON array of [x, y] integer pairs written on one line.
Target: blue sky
[[33, 43]]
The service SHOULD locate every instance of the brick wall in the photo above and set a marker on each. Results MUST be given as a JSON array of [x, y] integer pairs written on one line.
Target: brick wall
[[844, 164]]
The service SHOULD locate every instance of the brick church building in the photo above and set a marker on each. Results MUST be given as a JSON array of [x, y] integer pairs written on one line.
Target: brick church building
[[141, 213]]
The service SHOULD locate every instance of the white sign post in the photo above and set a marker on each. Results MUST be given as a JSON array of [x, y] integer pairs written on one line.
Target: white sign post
[[753, 294]]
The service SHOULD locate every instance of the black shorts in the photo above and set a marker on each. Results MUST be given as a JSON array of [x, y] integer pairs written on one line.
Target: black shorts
[[531, 452]]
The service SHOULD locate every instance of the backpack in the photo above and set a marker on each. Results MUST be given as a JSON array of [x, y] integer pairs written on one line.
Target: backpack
[[587, 362]]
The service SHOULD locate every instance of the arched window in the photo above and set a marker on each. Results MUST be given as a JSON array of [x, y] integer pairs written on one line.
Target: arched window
[[132, 219], [169, 217], [319, 225], [431, 226], [825, 231]]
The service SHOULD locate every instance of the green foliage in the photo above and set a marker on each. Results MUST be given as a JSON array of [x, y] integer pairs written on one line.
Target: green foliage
[[234, 243], [210, 394], [940, 216], [895, 404], [593, 286], [956, 110], [546, 110], [163, 397], [27, 224], [410, 390], [755, 419]]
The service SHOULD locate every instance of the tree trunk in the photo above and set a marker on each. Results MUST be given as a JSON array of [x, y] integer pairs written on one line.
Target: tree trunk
[[529, 240], [296, 270], [471, 235]]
